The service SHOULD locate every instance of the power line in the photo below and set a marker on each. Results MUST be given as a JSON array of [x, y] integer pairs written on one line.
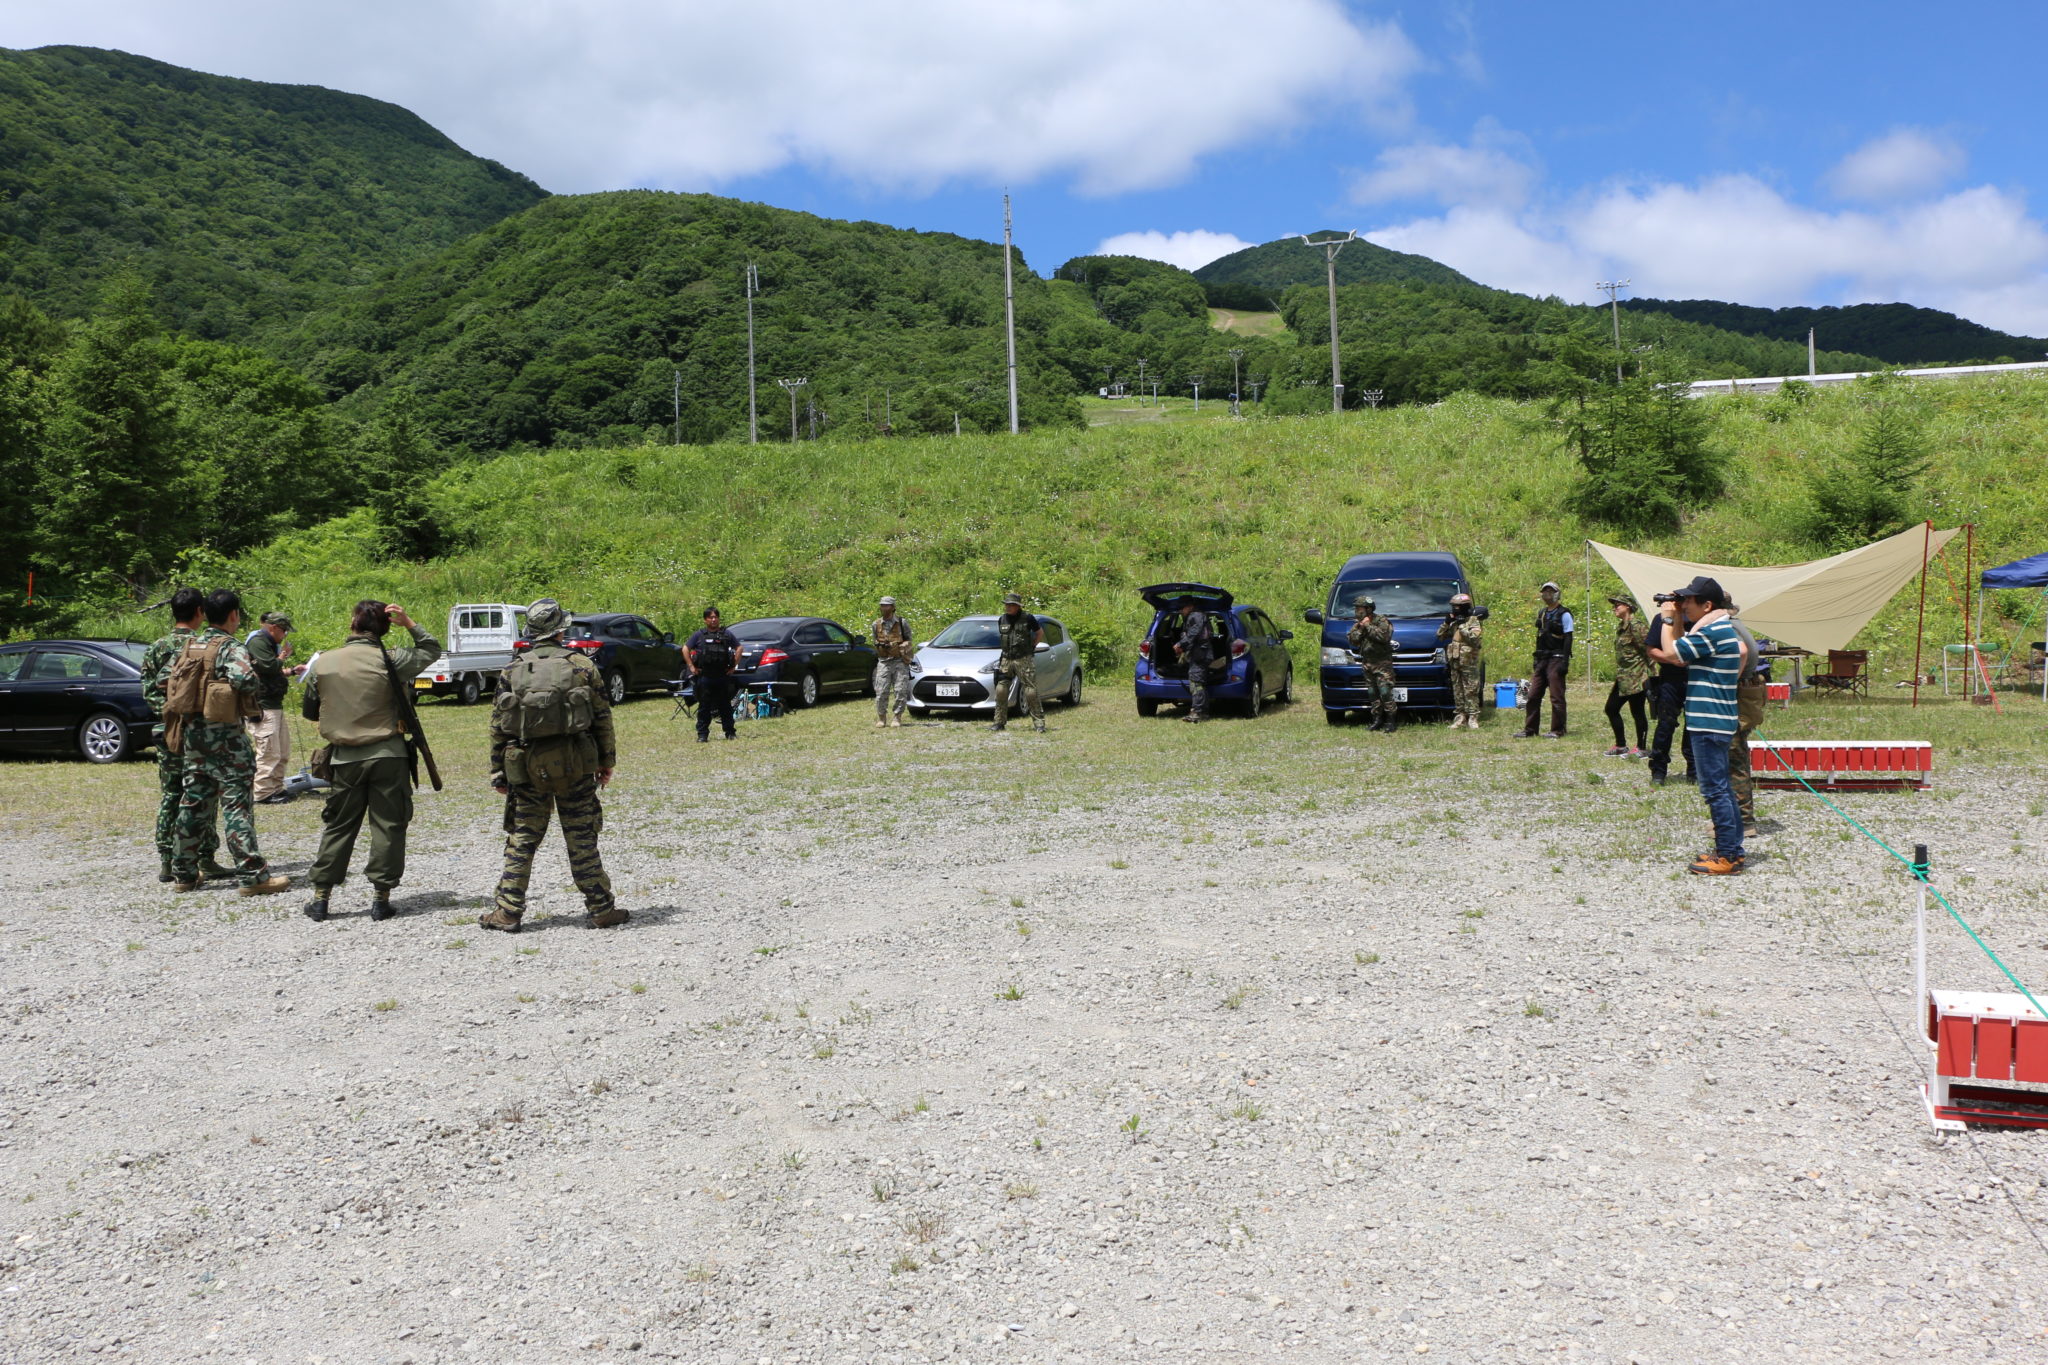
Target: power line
[[1614, 288], [1331, 246], [790, 386], [1235, 357]]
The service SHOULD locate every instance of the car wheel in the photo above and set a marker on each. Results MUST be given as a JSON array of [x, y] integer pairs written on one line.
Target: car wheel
[[1147, 706], [807, 689], [1334, 717], [1287, 689], [1074, 689], [615, 686], [1255, 700], [103, 738], [469, 690]]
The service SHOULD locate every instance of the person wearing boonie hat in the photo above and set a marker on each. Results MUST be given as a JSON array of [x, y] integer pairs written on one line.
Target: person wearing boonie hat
[[1631, 677], [1550, 665], [1017, 638], [1712, 654], [268, 649], [893, 648]]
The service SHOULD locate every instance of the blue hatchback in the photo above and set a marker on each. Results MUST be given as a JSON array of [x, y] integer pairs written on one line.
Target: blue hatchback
[[1252, 665]]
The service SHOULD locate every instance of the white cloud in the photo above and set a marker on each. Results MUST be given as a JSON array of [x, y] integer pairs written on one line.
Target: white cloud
[[1188, 250], [1903, 164], [1494, 168], [695, 93], [1974, 252]]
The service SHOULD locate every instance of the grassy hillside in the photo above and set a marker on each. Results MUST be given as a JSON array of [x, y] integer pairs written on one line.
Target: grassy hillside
[[238, 201], [1076, 520], [1897, 333], [1255, 277]]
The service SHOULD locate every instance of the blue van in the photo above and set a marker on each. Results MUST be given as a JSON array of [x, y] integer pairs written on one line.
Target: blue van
[[1414, 589]]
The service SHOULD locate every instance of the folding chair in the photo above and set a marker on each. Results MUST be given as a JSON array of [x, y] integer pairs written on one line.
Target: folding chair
[[679, 688], [1845, 673]]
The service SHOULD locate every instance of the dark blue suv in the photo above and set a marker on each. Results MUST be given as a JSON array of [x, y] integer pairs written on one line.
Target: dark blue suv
[[1414, 590], [1251, 664]]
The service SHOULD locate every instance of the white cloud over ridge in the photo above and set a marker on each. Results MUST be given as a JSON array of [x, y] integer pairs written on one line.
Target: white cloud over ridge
[[1903, 164], [1189, 250], [695, 93], [1494, 169], [1976, 252]]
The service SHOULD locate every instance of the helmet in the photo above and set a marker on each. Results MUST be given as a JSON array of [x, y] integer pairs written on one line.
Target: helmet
[[1366, 604], [1462, 599], [545, 618]]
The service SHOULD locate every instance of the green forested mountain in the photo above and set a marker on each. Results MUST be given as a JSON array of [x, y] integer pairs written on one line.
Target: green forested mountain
[[569, 323], [237, 201], [1256, 277], [1160, 316], [1896, 333]]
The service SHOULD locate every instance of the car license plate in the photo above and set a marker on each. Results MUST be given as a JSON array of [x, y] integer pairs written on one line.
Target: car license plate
[[1400, 694], [947, 689]]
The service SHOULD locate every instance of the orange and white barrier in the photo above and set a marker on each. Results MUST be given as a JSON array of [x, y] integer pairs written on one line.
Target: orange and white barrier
[[1841, 763]]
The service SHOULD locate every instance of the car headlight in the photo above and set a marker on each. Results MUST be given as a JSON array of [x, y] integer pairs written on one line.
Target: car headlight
[[1438, 657], [988, 669], [1335, 658]]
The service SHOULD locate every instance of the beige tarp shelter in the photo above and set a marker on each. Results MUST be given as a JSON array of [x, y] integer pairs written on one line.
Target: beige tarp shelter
[[1817, 606]]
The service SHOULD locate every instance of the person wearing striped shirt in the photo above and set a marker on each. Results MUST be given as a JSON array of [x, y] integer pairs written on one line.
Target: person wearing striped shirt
[[1714, 658]]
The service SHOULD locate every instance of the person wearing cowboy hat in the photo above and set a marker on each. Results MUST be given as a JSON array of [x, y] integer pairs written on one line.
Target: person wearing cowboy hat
[[1631, 677], [893, 648]]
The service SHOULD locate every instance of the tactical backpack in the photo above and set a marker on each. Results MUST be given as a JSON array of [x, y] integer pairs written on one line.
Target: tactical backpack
[[193, 693], [549, 707]]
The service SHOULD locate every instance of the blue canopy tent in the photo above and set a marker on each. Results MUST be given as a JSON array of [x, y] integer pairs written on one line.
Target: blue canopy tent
[[2031, 572]]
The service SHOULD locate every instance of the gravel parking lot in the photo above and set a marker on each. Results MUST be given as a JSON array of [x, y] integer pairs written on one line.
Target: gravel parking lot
[[1131, 1042]]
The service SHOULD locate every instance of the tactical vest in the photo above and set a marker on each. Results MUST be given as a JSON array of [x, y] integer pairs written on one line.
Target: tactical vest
[[892, 637], [1551, 636], [1016, 635]]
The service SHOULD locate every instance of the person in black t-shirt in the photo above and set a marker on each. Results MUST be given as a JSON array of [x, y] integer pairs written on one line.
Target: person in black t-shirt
[[1667, 692], [712, 652]]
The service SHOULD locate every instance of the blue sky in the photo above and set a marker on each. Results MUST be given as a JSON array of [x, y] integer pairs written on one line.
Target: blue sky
[[1765, 153]]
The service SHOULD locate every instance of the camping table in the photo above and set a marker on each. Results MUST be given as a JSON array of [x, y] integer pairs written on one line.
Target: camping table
[[1795, 654]]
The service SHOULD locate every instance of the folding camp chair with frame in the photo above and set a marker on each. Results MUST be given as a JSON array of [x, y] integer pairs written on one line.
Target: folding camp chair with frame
[[1847, 673]]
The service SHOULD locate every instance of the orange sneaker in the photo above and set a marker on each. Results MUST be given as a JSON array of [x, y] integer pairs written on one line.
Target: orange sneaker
[[1714, 865]]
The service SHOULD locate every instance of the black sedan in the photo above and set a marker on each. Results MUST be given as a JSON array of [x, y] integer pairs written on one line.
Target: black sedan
[[632, 652], [82, 695], [803, 658]]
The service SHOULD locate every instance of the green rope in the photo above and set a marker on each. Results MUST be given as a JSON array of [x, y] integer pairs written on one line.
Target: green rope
[[1919, 872]]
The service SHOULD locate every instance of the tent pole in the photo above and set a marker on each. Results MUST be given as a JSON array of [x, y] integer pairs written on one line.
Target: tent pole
[[1969, 562], [1589, 610], [1920, 629]]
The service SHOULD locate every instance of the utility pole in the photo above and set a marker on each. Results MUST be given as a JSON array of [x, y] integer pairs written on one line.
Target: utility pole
[[1235, 357], [1256, 385], [1331, 246], [1196, 380], [753, 416], [1372, 398], [679, 407], [1614, 288], [1009, 315], [1141, 379], [1811, 368], [790, 386]]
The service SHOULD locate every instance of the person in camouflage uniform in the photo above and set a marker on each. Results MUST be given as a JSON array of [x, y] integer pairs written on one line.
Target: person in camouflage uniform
[[220, 767], [1196, 645], [1372, 638], [1751, 694], [1631, 677], [528, 809], [893, 648], [1459, 634], [187, 606], [1017, 637]]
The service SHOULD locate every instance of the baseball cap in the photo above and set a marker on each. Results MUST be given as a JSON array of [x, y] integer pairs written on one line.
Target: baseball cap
[[887, 602], [1011, 599], [1550, 587], [1705, 589]]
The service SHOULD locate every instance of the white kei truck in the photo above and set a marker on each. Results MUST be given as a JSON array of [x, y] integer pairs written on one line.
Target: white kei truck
[[479, 648]]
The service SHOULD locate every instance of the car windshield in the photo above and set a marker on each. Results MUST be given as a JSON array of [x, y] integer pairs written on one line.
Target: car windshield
[[969, 634], [1395, 597], [760, 630]]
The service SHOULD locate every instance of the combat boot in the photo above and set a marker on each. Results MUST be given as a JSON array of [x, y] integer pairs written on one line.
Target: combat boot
[[608, 918], [896, 722], [316, 908], [499, 920], [380, 904], [212, 868], [1039, 726], [1000, 726], [881, 724], [191, 883], [266, 886], [163, 871]]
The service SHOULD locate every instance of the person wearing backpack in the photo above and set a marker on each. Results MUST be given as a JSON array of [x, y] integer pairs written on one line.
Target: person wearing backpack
[[552, 749], [359, 693], [211, 690], [712, 652], [187, 606]]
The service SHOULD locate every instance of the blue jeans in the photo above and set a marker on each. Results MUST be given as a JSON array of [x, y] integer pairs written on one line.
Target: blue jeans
[[1710, 761]]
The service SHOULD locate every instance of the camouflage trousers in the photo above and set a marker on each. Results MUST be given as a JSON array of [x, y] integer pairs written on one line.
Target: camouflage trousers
[[1198, 689], [1026, 671], [170, 785], [1378, 682], [1465, 688], [527, 825], [219, 772], [892, 679], [1749, 713]]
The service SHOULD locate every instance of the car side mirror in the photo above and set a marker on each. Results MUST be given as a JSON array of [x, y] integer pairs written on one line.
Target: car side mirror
[[668, 637], [860, 639], [1313, 616], [1286, 635], [1042, 647]]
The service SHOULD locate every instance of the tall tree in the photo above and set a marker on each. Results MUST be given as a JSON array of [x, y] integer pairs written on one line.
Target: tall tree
[[1865, 493]]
